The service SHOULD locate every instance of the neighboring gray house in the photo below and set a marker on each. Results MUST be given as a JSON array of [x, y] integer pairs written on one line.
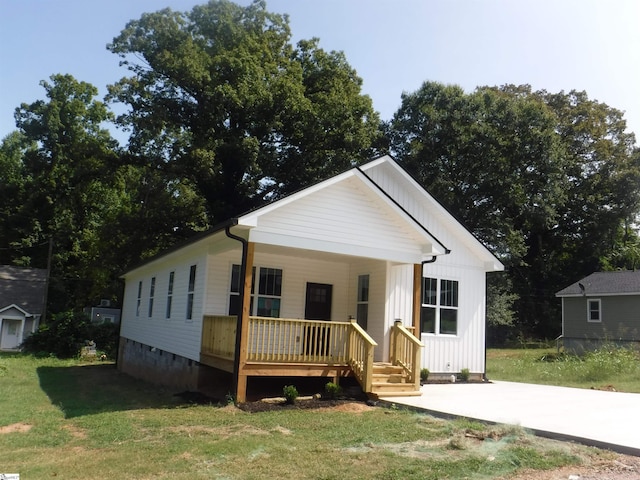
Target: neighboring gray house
[[603, 307], [22, 297]]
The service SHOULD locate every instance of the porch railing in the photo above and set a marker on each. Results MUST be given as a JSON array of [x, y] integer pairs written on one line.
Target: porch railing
[[282, 341], [219, 336], [405, 352]]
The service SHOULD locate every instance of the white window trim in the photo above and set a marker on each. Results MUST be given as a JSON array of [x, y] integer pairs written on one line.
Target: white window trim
[[589, 300], [256, 288], [438, 307]]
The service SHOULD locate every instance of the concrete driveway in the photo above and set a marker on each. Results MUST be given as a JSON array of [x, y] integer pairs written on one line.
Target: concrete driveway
[[603, 419]]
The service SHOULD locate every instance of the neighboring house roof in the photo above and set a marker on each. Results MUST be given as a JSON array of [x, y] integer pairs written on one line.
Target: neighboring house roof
[[259, 223], [23, 287], [605, 283]]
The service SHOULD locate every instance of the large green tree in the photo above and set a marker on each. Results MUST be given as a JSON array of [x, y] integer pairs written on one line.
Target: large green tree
[[547, 181], [67, 180], [221, 97]]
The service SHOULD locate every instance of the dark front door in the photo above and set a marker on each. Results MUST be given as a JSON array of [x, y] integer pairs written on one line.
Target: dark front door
[[317, 307]]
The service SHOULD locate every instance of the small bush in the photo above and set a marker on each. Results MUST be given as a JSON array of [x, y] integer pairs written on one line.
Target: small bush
[[66, 332], [424, 375], [290, 394], [465, 374], [332, 390]]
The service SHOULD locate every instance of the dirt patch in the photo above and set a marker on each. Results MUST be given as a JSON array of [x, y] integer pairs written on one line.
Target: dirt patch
[[76, 432], [15, 428]]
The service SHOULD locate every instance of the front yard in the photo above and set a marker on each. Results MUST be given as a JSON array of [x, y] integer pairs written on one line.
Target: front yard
[[66, 419]]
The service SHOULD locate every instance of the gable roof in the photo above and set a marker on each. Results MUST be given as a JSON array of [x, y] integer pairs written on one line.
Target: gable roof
[[604, 283], [23, 287], [258, 225]]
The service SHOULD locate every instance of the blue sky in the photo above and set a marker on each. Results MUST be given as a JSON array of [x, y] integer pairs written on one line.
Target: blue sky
[[395, 45]]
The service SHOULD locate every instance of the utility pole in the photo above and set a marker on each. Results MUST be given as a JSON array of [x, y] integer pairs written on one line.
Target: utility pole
[[43, 318]]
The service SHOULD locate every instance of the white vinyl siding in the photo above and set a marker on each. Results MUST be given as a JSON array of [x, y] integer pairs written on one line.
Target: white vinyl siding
[[176, 334]]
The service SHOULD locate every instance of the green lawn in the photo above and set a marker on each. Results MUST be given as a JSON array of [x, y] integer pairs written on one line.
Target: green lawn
[[606, 369], [70, 420]]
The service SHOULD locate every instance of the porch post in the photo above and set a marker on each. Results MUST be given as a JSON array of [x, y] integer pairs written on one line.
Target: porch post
[[417, 298], [241, 393]]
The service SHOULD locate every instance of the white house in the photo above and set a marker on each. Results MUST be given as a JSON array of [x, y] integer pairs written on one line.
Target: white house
[[336, 277]]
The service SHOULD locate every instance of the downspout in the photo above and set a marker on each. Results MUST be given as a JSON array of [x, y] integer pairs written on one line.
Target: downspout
[[243, 273]]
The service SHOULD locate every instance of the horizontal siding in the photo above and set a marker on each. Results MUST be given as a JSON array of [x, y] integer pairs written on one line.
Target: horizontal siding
[[620, 318], [377, 314], [176, 334], [344, 213], [296, 272]]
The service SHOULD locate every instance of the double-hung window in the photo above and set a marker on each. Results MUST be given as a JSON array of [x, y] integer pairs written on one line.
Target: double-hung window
[[139, 298], [191, 291], [269, 291], [362, 308], [594, 310], [170, 294], [152, 292], [234, 290], [439, 313]]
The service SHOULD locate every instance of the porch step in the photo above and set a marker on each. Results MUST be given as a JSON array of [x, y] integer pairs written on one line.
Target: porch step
[[391, 381]]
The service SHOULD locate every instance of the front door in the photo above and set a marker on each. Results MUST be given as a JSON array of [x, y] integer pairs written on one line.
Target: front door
[[318, 304], [317, 307], [10, 334]]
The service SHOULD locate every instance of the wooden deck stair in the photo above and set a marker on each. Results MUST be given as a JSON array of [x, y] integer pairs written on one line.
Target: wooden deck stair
[[391, 381]]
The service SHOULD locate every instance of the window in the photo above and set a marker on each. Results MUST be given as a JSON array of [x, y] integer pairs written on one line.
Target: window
[[139, 298], [269, 292], [362, 307], [152, 291], [594, 310], [234, 290], [190, 291], [170, 294], [439, 313]]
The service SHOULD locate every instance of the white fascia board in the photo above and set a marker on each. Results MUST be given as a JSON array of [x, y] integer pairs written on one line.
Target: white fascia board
[[13, 305], [290, 241], [452, 222], [413, 223]]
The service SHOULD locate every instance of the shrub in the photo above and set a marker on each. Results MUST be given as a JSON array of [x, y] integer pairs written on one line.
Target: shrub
[[424, 375], [465, 374], [332, 390], [66, 332], [290, 394]]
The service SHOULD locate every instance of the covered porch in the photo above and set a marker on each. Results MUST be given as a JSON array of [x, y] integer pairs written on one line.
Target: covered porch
[[306, 348]]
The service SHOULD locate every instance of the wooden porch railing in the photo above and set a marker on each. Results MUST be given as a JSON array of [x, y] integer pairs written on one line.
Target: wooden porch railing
[[361, 347], [283, 341], [405, 351]]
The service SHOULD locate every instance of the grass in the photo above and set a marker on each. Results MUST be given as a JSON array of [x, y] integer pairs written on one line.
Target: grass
[[71, 420], [608, 368]]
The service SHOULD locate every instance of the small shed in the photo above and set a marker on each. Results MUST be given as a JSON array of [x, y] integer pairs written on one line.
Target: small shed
[[22, 297], [603, 307]]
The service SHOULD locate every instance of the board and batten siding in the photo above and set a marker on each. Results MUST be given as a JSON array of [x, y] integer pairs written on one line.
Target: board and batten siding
[[620, 318], [466, 349], [175, 334], [345, 218]]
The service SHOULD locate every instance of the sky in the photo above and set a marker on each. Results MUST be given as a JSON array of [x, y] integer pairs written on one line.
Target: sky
[[394, 45]]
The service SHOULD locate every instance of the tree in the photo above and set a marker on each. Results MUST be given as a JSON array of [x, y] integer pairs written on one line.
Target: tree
[[222, 99], [547, 181], [65, 168]]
